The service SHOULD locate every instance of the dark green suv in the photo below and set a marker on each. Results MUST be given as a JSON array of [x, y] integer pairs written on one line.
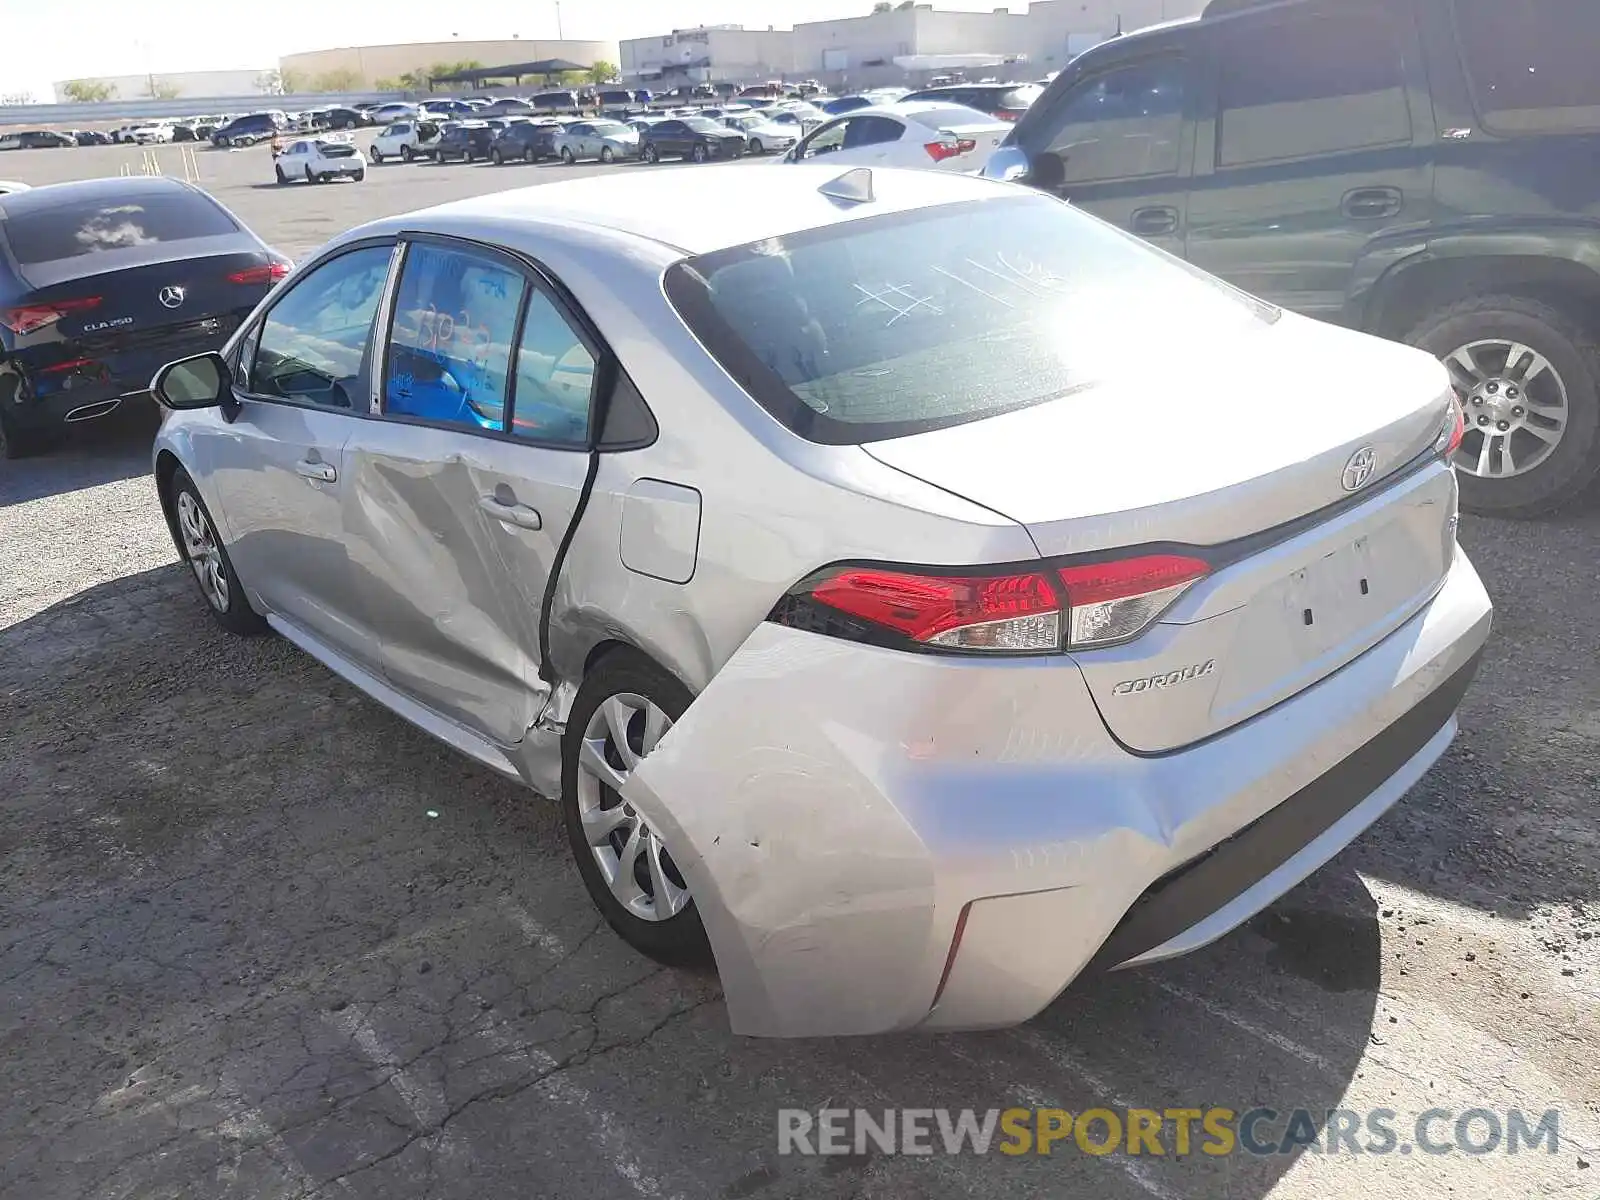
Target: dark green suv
[[1427, 170]]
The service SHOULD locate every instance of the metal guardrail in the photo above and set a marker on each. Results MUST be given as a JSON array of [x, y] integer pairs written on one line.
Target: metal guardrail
[[75, 115]]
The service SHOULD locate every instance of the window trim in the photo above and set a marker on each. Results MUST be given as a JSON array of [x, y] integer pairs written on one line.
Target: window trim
[[1187, 117], [1406, 50], [253, 328]]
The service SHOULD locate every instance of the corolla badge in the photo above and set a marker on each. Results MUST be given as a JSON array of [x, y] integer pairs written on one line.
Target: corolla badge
[[171, 296], [1155, 683], [1359, 469]]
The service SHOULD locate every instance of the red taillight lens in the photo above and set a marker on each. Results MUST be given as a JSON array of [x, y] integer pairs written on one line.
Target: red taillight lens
[[1457, 429], [1007, 115], [1116, 600], [985, 612], [1096, 604], [72, 364], [941, 150], [270, 273], [28, 317]]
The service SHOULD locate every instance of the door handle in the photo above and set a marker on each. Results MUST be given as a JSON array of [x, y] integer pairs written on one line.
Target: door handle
[[1372, 204], [320, 471], [511, 513], [1150, 222]]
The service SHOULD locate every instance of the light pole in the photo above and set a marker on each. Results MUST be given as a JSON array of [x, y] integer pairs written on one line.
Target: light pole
[[560, 36]]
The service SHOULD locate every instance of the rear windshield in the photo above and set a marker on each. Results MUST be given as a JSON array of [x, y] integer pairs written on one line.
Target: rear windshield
[[887, 326], [70, 230]]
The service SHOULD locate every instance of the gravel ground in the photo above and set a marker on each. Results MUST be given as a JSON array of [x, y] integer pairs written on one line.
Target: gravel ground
[[259, 938]]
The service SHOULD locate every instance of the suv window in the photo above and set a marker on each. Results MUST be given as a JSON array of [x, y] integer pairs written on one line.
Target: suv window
[[1124, 124], [313, 343], [1310, 83], [555, 378], [449, 354], [1531, 65]]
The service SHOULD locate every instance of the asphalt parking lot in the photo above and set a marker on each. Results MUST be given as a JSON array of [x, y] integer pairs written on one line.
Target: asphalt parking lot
[[259, 938]]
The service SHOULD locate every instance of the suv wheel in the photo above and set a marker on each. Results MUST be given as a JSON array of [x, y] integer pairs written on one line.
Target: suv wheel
[[756, 147], [1528, 378], [407, 153], [567, 156], [208, 558], [621, 712], [699, 153], [496, 157], [649, 154], [282, 178]]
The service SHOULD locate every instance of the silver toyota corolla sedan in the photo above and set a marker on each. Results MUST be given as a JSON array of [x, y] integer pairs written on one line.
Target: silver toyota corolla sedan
[[916, 591]]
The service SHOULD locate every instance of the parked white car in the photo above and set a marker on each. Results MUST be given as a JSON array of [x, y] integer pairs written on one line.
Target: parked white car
[[926, 134], [604, 140], [762, 135], [406, 140], [317, 160], [146, 135]]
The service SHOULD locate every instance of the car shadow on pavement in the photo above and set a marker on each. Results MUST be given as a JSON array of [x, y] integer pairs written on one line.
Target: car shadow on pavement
[[91, 453], [262, 930]]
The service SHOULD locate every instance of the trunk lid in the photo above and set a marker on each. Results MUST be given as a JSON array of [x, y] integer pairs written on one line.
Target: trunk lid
[[1243, 457]]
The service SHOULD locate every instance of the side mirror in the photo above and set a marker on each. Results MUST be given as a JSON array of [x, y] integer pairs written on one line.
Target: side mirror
[[198, 382], [1009, 164]]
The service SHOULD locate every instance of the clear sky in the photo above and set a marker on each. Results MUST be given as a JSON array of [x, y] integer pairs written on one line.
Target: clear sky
[[46, 40]]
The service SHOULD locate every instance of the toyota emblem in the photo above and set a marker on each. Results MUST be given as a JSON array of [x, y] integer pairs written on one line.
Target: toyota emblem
[[171, 296], [1359, 469]]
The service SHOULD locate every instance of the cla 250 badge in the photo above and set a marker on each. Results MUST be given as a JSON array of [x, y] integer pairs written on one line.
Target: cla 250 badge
[[113, 324], [1152, 683]]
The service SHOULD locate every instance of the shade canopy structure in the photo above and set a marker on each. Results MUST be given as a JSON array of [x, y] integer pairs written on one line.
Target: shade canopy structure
[[542, 68]]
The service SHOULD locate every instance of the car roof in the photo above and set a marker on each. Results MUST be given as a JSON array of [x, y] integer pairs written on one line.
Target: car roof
[[118, 187], [693, 214]]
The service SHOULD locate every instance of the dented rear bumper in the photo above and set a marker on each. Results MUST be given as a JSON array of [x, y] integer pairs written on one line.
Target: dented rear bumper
[[842, 812]]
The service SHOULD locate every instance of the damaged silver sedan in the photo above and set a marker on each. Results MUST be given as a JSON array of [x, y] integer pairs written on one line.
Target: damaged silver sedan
[[917, 592]]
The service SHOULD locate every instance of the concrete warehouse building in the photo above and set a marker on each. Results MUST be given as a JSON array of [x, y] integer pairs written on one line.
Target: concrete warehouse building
[[359, 68], [861, 51], [175, 84]]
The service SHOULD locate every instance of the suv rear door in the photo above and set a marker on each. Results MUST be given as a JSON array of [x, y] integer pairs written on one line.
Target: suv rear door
[[1314, 151], [1118, 140]]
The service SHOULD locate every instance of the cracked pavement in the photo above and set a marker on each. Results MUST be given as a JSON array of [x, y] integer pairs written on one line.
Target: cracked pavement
[[240, 958]]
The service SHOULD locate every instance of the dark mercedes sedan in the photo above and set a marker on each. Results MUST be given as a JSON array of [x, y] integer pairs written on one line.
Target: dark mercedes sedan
[[694, 138], [104, 280]]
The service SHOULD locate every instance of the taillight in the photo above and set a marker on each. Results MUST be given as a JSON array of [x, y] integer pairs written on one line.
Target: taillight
[[941, 150], [71, 364], [1076, 606], [1007, 115], [270, 273], [1119, 599], [1453, 430], [26, 318]]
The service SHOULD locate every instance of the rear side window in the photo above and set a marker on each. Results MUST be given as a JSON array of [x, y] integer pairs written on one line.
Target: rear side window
[[1531, 63], [1126, 123], [1310, 83], [455, 321], [70, 230], [886, 326]]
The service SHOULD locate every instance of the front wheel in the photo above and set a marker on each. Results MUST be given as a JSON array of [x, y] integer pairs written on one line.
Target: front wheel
[[497, 158], [606, 156], [282, 178], [377, 159], [756, 147], [359, 176], [698, 154], [622, 711], [567, 155], [208, 560], [649, 155], [1528, 379], [407, 153]]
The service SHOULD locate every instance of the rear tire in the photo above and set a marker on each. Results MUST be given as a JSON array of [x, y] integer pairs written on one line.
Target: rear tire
[[567, 156], [756, 147], [407, 153], [528, 156], [207, 559], [649, 155], [699, 154], [679, 939], [1573, 359], [19, 443], [497, 158], [606, 156], [282, 178], [360, 176]]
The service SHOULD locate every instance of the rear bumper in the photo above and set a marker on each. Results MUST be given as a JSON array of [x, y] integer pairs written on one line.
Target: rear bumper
[[842, 812]]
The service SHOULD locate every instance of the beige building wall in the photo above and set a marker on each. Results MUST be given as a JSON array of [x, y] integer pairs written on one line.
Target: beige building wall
[[372, 63], [709, 54]]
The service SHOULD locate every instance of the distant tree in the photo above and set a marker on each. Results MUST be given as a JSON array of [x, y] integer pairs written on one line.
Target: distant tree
[[602, 72], [905, 5], [162, 89], [340, 79], [89, 91], [388, 85], [269, 82], [882, 6]]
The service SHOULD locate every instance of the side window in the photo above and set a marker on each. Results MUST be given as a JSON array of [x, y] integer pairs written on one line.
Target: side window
[[1125, 124], [1531, 64], [872, 131], [313, 343], [827, 139], [449, 354], [1311, 83], [555, 378]]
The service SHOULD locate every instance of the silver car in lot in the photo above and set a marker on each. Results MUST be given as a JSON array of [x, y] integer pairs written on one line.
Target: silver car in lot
[[598, 139], [900, 610]]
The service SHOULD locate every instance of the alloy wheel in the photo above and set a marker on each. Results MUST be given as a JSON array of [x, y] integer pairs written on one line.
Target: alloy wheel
[[632, 860], [1514, 404], [204, 552]]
